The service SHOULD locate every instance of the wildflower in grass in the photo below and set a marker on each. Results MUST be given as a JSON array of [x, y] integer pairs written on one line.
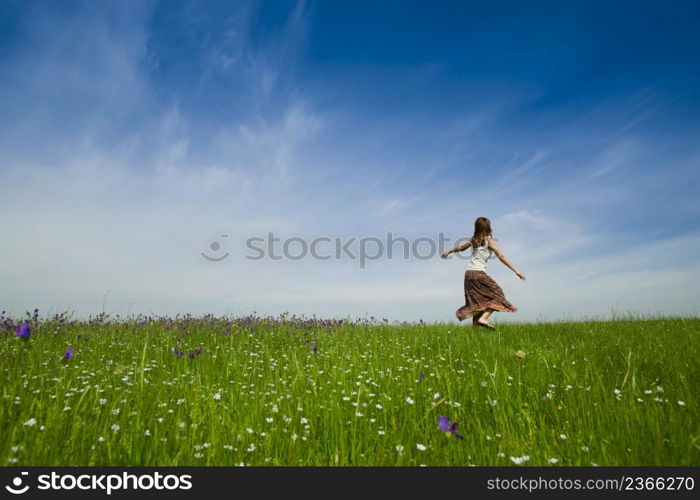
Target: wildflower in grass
[[681, 403], [251, 448], [421, 447], [553, 461], [399, 448], [68, 354], [562, 436], [409, 401], [31, 422], [147, 432], [304, 421], [100, 439], [447, 427], [520, 354], [66, 408], [23, 331], [191, 355], [217, 396], [176, 352], [420, 377], [198, 351], [659, 388], [103, 401], [114, 428], [520, 460]]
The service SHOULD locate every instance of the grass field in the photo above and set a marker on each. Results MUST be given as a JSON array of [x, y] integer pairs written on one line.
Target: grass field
[[294, 391]]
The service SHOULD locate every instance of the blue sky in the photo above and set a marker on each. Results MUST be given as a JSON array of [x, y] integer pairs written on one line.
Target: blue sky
[[133, 134]]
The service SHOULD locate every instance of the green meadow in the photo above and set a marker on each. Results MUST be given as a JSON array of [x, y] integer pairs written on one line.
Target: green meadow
[[298, 391]]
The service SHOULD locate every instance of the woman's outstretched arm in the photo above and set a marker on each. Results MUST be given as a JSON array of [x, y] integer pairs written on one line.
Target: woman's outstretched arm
[[502, 257], [458, 248]]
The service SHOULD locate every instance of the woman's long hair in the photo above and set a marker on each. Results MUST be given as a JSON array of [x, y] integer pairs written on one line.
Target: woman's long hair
[[482, 229]]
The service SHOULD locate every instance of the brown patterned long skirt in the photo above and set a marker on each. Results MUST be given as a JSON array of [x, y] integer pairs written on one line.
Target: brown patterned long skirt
[[481, 292]]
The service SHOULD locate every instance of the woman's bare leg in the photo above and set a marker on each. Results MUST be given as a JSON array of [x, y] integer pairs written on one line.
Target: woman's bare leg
[[484, 318]]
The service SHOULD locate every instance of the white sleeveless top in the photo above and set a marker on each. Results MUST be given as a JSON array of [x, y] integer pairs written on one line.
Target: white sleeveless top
[[480, 255]]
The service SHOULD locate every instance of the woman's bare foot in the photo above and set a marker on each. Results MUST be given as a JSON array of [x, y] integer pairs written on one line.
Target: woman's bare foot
[[486, 325]]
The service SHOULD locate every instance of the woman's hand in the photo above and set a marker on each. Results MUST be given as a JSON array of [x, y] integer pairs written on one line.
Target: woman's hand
[[520, 275]]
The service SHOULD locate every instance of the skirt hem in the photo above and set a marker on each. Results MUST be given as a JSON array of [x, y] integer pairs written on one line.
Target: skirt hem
[[462, 313]]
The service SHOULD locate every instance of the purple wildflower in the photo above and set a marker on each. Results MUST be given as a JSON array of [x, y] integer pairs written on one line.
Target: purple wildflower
[[420, 377], [69, 354], [191, 355], [198, 351], [447, 427], [176, 352], [23, 330]]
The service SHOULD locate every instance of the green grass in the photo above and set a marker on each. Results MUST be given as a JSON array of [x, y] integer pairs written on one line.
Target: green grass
[[347, 403]]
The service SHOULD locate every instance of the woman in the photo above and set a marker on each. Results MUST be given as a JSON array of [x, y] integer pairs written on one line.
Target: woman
[[482, 294]]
